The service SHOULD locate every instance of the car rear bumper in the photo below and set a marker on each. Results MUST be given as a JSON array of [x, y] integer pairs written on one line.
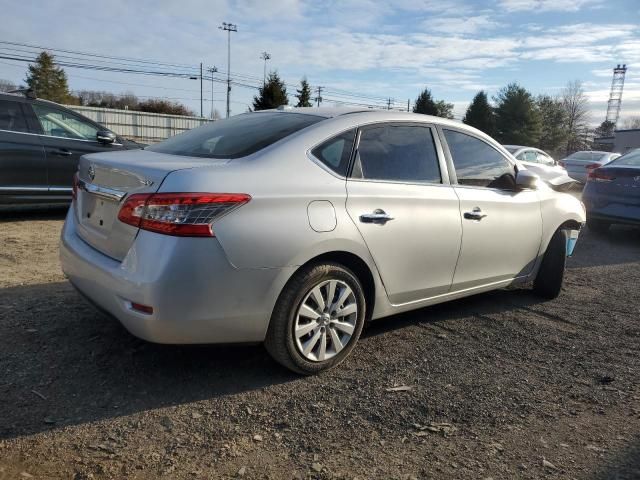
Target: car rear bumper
[[196, 294], [578, 176], [601, 208]]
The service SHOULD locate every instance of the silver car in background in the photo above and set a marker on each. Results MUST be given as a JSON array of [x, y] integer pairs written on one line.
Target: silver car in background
[[294, 227], [542, 164], [580, 164]]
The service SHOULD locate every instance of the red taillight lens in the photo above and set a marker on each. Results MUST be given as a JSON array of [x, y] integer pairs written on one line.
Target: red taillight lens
[[593, 166], [600, 176], [74, 186], [180, 214]]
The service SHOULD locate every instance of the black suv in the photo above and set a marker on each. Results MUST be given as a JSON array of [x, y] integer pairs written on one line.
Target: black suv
[[40, 145]]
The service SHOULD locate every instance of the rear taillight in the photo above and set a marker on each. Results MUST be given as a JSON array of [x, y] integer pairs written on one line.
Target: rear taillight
[[179, 214], [74, 186], [592, 166], [600, 176]]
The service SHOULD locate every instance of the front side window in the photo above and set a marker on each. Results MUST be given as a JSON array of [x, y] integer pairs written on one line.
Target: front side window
[[237, 136], [11, 117], [60, 123], [477, 163], [398, 153], [335, 153]]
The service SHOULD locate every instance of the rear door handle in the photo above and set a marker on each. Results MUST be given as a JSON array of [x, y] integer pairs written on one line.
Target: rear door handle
[[378, 216], [475, 214], [62, 152]]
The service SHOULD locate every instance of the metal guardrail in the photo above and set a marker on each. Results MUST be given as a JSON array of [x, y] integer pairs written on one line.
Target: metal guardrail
[[142, 127]]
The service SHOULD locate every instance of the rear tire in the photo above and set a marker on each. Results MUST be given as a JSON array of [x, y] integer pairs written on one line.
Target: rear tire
[[312, 302], [598, 226], [548, 282]]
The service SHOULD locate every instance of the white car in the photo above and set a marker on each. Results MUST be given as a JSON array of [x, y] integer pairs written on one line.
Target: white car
[[542, 164], [580, 164], [294, 227]]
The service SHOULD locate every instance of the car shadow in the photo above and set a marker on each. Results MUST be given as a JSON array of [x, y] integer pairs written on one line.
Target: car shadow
[[31, 213], [624, 465], [64, 363]]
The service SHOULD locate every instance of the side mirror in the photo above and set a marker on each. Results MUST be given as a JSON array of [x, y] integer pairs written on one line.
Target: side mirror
[[526, 180], [105, 136]]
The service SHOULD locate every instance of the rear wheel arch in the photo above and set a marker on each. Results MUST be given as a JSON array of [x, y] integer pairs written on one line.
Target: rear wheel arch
[[353, 262]]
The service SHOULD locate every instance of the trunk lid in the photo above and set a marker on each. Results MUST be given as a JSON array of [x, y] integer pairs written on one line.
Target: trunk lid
[[106, 179], [624, 188]]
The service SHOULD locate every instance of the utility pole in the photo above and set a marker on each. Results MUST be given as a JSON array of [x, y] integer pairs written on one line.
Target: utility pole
[[213, 70], [389, 103], [318, 99], [408, 100], [265, 56], [228, 27], [201, 114]]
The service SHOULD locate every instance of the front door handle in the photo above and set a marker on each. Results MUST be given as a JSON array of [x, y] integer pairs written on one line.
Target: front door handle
[[475, 214], [378, 216], [62, 152]]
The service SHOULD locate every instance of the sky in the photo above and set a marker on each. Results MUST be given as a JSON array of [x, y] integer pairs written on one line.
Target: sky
[[359, 50]]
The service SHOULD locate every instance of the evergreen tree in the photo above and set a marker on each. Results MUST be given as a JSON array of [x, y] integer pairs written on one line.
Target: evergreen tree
[[553, 132], [605, 129], [303, 94], [480, 114], [272, 94], [517, 116], [426, 105], [47, 80]]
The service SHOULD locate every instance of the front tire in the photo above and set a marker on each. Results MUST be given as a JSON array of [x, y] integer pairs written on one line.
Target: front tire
[[317, 319], [548, 282]]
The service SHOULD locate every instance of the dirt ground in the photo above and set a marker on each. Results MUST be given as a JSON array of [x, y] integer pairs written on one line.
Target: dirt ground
[[500, 385]]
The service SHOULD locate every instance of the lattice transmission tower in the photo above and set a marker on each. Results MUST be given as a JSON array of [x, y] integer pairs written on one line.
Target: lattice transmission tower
[[615, 97]]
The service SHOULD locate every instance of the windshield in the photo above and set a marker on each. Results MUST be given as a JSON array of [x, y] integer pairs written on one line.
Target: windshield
[[630, 159], [237, 136], [585, 156]]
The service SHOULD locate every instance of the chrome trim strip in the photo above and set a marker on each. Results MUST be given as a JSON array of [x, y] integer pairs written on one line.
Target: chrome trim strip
[[55, 136], [20, 188], [108, 193], [61, 189]]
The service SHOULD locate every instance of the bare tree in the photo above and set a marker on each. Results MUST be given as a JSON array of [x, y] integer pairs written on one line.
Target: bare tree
[[576, 107], [6, 85], [631, 123]]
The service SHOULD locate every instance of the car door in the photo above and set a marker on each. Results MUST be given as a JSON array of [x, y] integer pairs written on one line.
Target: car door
[[399, 197], [501, 226], [23, 169], [66, 136]]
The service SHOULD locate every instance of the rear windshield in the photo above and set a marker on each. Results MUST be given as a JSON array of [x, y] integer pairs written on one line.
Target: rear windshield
[[237, 136], [585, 156], [631, 159], [511, 149]]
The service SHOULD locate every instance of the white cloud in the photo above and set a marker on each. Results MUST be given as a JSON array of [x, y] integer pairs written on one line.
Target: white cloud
[[547, 5], [460, 25]]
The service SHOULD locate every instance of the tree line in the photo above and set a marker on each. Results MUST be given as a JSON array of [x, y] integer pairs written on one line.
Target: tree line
[[557, 124]]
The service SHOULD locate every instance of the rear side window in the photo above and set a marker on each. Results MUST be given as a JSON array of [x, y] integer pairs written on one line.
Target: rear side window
[[11, 117], [477, 163], [335, 153], [398, 153], [237, 136]]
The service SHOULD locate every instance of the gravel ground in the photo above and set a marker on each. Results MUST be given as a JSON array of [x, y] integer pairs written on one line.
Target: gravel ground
[[500, 385]]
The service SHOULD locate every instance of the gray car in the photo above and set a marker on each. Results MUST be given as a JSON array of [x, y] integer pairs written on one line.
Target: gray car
[[294, 227], [580, 164]]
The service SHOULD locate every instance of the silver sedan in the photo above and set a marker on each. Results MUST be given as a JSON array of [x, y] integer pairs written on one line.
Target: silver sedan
[[294, 227]]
